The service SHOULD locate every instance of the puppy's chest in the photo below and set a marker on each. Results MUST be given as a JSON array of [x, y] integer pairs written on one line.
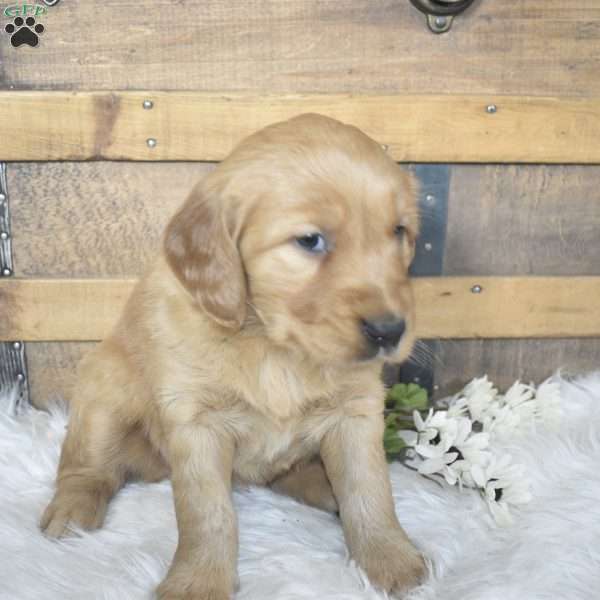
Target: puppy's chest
[[266, 449], [287, 407]]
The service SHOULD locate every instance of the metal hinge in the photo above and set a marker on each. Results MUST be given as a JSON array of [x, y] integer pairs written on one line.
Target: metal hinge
[[13, 364], [441, 13]]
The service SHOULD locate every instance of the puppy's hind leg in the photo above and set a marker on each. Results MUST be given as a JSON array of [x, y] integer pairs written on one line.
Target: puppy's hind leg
[[96, 456], [308, 483]]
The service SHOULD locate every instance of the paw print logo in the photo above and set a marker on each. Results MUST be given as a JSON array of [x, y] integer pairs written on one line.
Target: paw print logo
[[24, 32]]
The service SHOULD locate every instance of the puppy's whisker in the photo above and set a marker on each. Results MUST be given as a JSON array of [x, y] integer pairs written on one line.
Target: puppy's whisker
[[423, 356]]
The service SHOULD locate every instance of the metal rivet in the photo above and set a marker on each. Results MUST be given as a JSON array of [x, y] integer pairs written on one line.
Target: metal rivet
[[436, 387], [6, 272], [20, 377], [151, 142], [148, 104], [441, 21], [3, 235], [17, 345], [491, 108], [476, 289], [384, 147], [416, 379], [430, 199], [428, 247]]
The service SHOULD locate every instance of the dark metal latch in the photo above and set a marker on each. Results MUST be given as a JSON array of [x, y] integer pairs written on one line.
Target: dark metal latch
[[440, 13]]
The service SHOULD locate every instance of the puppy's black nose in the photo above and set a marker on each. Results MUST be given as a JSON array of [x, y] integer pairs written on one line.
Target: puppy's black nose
[[384, 332]]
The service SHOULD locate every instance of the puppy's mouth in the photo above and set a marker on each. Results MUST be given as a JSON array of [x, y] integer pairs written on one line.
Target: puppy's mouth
[[372, 352]]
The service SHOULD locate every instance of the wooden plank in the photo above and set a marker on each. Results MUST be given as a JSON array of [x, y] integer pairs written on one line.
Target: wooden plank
[[504, 361], [537, 47], [528, 220], [104, 219], [506, 307], [93, 219], [205, 126], [61, 309], [523, 220]]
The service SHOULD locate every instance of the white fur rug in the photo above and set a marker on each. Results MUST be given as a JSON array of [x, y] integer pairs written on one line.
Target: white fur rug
[[289, 551]]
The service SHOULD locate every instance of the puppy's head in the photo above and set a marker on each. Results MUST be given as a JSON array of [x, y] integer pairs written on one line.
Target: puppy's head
[[309, 227]]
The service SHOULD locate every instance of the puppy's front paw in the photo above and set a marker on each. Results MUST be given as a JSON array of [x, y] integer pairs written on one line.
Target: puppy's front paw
[[392, 564], [85, 510], [188, 583]]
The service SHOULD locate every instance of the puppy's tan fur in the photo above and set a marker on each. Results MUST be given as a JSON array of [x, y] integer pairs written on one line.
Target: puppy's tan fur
[[240, 356]]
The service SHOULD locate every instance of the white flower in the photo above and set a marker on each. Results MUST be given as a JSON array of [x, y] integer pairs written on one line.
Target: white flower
[[472, 452], [547, 404], [447, 445], [518, 394], [441, 464], [436, 443], [457, 443], [512, 413], [450, 429], [409, 436], [501, 422], [475, 400], [519, 398], [503, 486]]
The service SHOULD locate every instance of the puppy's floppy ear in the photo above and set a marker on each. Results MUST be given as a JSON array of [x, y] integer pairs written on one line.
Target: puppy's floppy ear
[[201, 250]]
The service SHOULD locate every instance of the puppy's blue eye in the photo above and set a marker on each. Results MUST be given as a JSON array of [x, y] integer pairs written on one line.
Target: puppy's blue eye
[[313, 242]]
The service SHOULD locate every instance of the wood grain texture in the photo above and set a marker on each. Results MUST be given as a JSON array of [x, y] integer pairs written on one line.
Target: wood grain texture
[[93, 219], [51, 370], [534, 47], [509, 307], [523, 220], [504, 361], [205, 127], [104, 219], [60, 309], [520, 220]]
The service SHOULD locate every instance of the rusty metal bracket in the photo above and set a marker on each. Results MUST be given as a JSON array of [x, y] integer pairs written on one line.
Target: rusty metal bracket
[[13, 364], [441, 13]]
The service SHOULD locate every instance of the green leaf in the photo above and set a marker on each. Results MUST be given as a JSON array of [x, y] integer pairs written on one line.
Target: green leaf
[[391, 420], [407, 397], [392, 443], [401, 400]]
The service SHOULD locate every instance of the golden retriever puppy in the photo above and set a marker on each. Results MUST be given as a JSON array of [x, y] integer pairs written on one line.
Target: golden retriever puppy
[[251, 351]]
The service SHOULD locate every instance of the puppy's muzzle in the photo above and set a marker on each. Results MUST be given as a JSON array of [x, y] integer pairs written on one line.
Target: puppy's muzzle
[[383, 332]]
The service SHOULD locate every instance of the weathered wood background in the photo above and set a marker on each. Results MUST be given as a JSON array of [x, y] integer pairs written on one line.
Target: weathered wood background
[[103, 219]]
